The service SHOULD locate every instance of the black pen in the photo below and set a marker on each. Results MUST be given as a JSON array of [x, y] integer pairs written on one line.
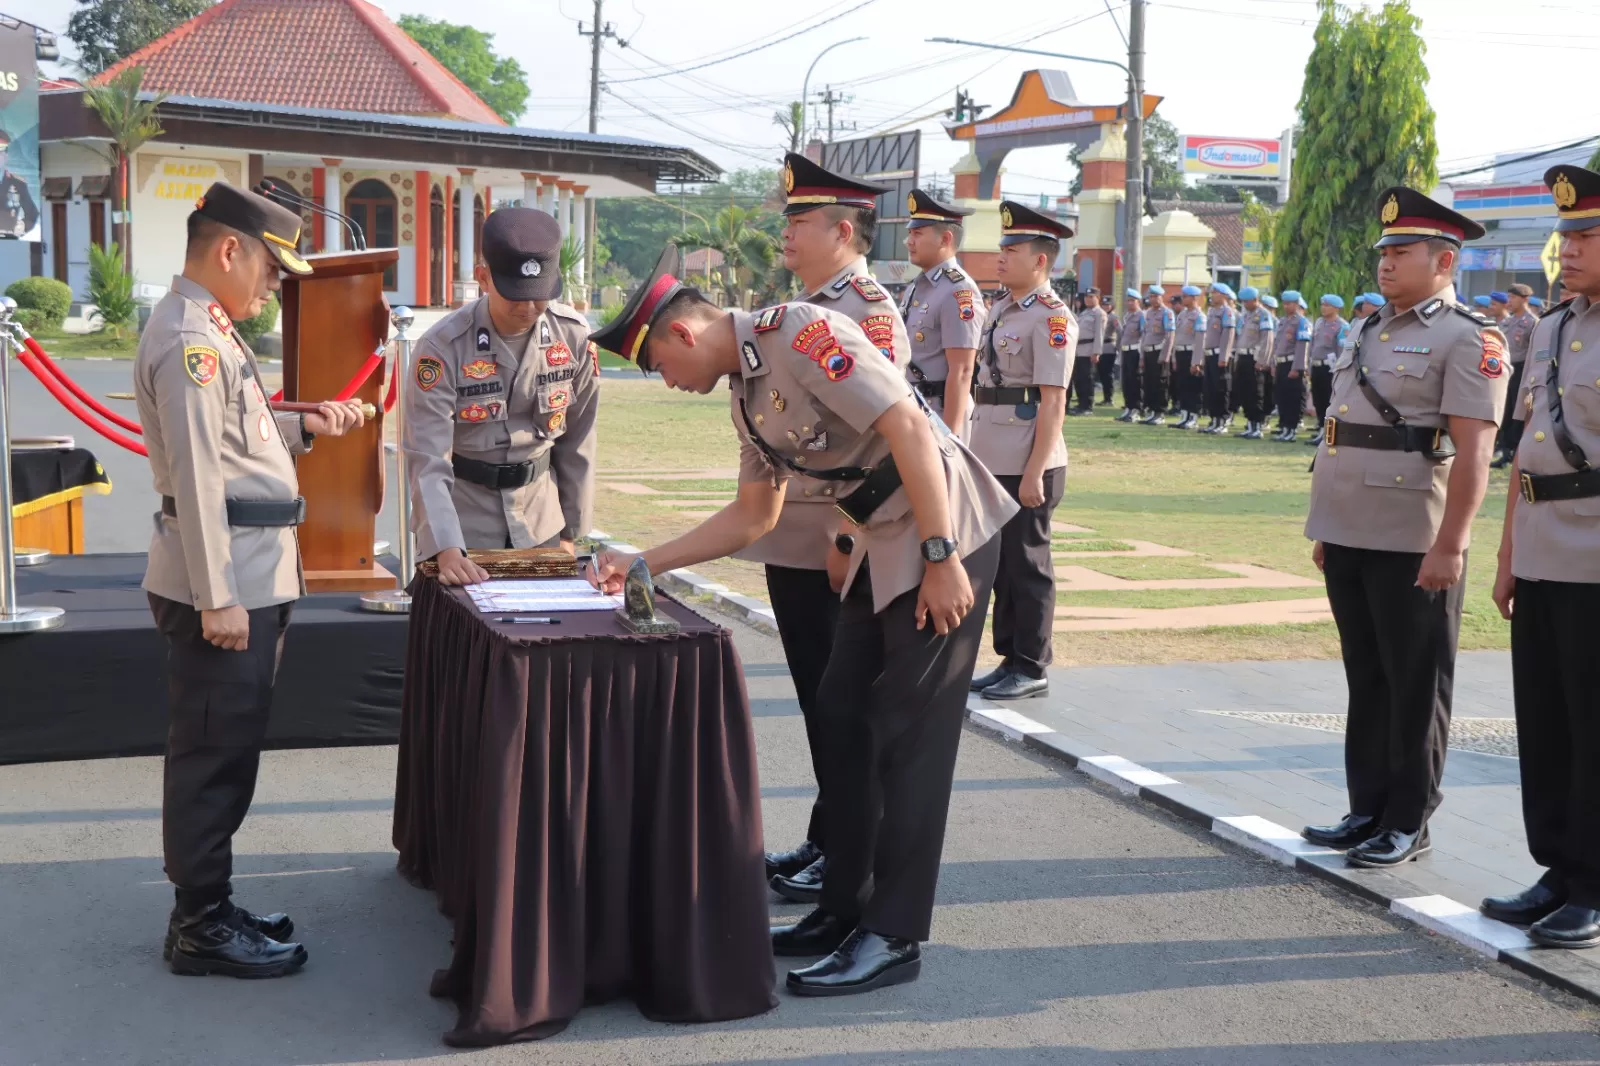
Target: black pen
[[540, 621]]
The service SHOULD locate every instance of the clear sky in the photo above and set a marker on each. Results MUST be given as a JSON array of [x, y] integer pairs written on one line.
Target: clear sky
[[1230, 67]]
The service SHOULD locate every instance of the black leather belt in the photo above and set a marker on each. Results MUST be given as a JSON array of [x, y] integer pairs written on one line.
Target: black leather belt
[[1537, 488], [253, 512], [501, 475], [1435, 443], [932, 389], [1011, 394], [875, 488]]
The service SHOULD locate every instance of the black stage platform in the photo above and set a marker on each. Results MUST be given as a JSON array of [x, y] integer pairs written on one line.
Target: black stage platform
[[95, 687]]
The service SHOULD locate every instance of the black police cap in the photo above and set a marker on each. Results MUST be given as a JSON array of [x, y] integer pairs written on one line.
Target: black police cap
[[522, 248], [256, 216], [1020, 223], [1576, 191], [808, 187], [925, 210], [1407, 216]]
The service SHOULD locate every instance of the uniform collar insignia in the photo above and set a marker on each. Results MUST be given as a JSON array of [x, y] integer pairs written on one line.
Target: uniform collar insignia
[[1031, 299], [752, 356], [839, 285], [1431, 308]]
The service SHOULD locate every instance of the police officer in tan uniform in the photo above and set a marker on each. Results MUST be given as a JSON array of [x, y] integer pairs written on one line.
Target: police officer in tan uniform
[[1548, 584], [1291, 348], [1106, 368], [1092, 327], [500, 421], [830, 222], [1132, 366], [1016, 431], [943, 310], [917, 525], [1327, 339], [1222, 326], [1518, 326], [1188, 371], [1397, 480], [224, 565], [1156, 346]]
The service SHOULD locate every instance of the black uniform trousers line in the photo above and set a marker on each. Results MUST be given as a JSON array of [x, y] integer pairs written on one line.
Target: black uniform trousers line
[[1291, 397], [1186, 387], [1399, 648], [1268, 385], [1558, 730], [1216, 386], [1247, 388], [1156, 378], [218, 705], [807, 611], [1132, 392], [892, 704], [1106, 370], [1081, 384], [1321, 390], [1025, 584], [1511, 425]]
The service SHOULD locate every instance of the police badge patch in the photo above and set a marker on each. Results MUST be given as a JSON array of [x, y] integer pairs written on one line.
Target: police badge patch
[[1058, 331], [965, 305], [1493, 363], [880, 331], [474, 413], [200, 363], [558, 354], [429, 370]]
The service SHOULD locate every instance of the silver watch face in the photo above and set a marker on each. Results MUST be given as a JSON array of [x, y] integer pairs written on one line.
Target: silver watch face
[[936, 549]]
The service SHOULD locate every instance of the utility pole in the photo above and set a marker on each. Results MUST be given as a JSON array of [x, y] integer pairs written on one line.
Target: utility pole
[[599, 31], [829, 98], [1134, 194]]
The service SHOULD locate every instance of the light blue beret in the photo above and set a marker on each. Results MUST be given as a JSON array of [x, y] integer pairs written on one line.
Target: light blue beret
[[1156, 290], [1333, 300], [1480, 301], [1133, 294], [1270, 301], [1536, 301], [1374, 300], [1291, 296], [1499, 298], [1190, 290], [1249, 292], [1222, 287]]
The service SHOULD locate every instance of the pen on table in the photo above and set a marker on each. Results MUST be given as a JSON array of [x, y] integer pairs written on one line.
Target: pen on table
[[539, 621]]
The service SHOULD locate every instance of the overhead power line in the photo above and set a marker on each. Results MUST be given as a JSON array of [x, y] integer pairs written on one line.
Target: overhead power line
[[750, 51]]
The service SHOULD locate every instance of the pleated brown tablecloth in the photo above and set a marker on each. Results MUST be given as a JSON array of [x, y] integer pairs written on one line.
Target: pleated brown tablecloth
[[584, 802]]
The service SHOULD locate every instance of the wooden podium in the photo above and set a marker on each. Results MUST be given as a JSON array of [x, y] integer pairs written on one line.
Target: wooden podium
[[333, 319]]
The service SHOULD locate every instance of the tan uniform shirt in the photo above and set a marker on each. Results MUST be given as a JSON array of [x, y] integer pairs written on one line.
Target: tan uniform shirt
[[1292, 341], [812, 386], [1113, 333], [211, 438], [806, 528], [1559, 540], [1327, 339], [1431, 362], [1092, 327], [1191, 328], [1222, 325], [1160, 331], [497, 400], [1255, 335], [1132, 329], [1519, 335], [1027, 343], [942, 309]]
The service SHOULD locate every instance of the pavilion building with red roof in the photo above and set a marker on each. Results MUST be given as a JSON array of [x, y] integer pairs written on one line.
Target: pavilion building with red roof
[[335, 101]]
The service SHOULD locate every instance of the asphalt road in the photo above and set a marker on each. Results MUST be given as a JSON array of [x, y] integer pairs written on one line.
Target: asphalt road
[[1074, 926]]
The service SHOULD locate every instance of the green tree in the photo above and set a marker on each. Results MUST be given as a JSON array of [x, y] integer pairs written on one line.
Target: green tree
[[465, 52], [106, 31], [131, 122], [634, 229], [749, 251], [1594, 160], [1365, 124]]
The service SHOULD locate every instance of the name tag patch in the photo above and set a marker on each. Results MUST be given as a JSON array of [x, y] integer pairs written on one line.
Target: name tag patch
[[1412, 349], [487, 388]]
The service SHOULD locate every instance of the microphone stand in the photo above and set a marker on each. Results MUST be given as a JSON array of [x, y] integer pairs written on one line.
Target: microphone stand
[[295, 202]]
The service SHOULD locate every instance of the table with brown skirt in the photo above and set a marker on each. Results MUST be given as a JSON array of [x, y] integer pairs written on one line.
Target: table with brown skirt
[[584, 803]]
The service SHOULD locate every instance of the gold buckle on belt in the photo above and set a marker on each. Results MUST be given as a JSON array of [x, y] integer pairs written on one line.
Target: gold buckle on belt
[[1330, 431], [1527, 488]]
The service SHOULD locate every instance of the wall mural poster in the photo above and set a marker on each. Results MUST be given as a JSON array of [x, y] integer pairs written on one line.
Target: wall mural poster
[[19, 133]]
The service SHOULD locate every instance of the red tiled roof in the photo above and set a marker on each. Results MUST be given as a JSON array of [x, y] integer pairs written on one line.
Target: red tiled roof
[[701, 260], [337, 54]]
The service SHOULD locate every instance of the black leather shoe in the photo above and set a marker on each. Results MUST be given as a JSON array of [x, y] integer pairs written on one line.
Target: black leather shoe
[[1390, 847], [1017, 687], [1532, 904], [818, 933], [863, 962], [789, 863], [277, 927], [803, 887], [1349, 831], [1570, 927], [993, 677], [216, 941]]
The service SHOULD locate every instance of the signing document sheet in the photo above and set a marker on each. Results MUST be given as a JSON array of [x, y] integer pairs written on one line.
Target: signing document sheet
[[541, 595]]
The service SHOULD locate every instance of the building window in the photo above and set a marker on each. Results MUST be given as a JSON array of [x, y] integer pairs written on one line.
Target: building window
[[373, 208]]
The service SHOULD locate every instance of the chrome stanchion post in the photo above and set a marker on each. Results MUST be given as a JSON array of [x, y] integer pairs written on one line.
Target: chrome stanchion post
[[14, 618], [398, 601], [20, 555]]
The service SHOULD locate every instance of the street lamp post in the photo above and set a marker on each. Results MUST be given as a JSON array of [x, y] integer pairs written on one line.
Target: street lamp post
[[805, 87], [1134, 187]]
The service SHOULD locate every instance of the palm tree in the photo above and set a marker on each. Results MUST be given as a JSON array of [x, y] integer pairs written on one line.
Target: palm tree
[[748, 251], [131, 122]]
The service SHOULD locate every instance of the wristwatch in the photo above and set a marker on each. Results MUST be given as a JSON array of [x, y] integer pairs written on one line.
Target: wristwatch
[[844, 543], [938, 549]]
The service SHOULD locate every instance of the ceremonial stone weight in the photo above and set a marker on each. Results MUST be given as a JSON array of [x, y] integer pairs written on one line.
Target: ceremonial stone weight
[[638, 611]]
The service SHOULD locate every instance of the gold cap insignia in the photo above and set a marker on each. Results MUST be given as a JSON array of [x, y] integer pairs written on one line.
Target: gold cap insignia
[[1563, 191], [1005, 217], [911, 205], [788, 178], [1391, 210]]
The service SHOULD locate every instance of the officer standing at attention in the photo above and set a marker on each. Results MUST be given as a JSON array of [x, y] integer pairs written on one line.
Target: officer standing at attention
[[1156, 342], [224, 566], [1016, 431], [500, 426], [1327, 338], [1518, 326], [830, 222], [915, 558], [1265, 364], [942, 310], [1106, 367], [1188, 374], [1416, 395], [1548, 584], [1256, 326], [1091, 338], [1132, 368], [1222, 325], [1290, 353]]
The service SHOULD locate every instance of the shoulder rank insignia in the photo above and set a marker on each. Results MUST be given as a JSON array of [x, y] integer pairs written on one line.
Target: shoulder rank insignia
[[220, 317], [1051, 300], [200, 363], [769, 319], [880, 331], [1030, 300], [752, 355], [1058, 331], [954, 275], [429, 370], [868, 288], [593, 352], [965, 305], [479, 369], [483, 340]]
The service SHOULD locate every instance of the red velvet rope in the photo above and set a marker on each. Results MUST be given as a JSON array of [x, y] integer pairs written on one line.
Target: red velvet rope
[[77, 390], [394, 381], [374, 361], [28, 359]]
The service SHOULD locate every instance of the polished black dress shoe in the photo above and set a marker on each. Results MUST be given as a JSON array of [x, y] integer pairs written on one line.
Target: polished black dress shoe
[[863, 962], [1349, 831], [1017, 687], [789, 863], [216, 941], [803, 887], [993, 677], [1570, 927], [818, 933], [1390, 847], [279, 927], [1526, 907]]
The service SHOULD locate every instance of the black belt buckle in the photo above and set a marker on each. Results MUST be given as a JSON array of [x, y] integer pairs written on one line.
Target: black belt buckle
[[1330, 431], [1527, 487], [514, 475]]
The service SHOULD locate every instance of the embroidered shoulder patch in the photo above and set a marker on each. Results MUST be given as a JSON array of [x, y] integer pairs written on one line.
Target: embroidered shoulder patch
[[964, 304], [1493, 363], [769, 319], [200, 363], [593, 351], [429, 371], [868, 288], [479, 369], [880, 331], [810, 334], [558, 354], [1058, 331], [474, 413], [819, 344]]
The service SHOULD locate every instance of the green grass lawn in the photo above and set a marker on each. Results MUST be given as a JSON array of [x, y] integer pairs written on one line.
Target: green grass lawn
[[84, 345]]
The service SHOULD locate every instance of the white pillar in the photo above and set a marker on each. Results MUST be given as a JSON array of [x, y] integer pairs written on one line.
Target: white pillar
[[466, 289], [547, 195], [580, 230], [530, 190], [332, 195], [564, 208]]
